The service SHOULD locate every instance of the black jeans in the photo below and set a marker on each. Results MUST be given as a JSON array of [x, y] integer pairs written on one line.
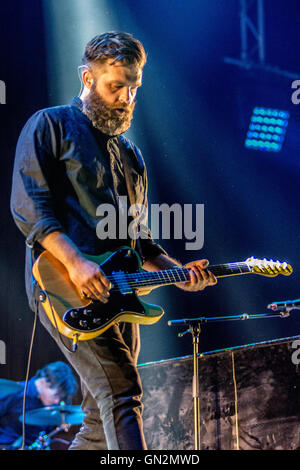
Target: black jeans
[[111, 387]]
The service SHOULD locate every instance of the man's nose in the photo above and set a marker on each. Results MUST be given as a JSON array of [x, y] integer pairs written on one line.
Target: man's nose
[[126, 96]]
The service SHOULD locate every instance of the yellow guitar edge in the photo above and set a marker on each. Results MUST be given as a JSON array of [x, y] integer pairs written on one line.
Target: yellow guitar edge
[[129, 317]]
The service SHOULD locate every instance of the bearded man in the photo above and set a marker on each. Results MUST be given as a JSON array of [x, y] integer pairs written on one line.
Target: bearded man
[[68, 163]]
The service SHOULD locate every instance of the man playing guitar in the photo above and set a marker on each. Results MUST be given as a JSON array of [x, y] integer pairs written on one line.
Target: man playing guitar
[[68, 162]]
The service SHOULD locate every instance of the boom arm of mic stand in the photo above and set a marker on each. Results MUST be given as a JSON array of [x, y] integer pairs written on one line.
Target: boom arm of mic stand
[[244, 316]]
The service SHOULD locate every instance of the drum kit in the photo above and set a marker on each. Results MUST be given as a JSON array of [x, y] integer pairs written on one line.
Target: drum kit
[[61, 417]]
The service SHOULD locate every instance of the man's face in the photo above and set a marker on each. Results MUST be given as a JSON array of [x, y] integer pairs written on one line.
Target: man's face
[[111, 98], [48, 396]]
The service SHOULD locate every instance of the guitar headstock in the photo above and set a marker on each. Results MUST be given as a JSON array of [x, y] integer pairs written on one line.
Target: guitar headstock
[[268, 268]]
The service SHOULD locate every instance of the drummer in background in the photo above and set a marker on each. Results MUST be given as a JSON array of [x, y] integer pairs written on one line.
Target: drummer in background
[[50, 385]]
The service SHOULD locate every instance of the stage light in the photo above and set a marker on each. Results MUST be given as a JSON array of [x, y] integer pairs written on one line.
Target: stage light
[[267, 129]]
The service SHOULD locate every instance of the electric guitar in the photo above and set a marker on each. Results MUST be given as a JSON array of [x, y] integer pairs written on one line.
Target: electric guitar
[[81, 318]]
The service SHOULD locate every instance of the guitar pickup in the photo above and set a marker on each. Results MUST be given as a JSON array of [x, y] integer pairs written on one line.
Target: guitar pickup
[[122, 283]]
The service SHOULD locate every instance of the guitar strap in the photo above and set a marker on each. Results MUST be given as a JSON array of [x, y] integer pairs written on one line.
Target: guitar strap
[[127, 164]]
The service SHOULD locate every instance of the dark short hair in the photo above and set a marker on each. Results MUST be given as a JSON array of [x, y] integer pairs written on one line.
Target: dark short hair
[[59, 375], [114, 45]]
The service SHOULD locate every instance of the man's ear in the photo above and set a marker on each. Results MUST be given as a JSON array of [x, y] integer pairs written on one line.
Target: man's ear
[[87, 78]]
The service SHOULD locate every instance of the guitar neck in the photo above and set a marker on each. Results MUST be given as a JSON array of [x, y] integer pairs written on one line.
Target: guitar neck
[[180, 274]]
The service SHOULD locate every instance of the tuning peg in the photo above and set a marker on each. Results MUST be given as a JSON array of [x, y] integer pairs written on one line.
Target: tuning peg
[[289, 268], [268, 267]]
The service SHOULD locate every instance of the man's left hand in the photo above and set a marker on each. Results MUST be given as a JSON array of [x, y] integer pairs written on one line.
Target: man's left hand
[[199, 276]]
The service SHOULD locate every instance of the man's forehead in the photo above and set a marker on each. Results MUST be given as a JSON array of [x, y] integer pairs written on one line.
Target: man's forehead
[[120, 71]]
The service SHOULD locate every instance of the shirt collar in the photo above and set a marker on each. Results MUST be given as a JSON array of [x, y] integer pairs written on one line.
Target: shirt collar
[[76, 101]]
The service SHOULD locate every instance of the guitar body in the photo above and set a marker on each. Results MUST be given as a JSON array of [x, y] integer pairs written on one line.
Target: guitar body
[[74, 315]]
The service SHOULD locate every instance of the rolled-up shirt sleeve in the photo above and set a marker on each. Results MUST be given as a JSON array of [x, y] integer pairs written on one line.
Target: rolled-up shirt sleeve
[[31, 197], [150, 248]]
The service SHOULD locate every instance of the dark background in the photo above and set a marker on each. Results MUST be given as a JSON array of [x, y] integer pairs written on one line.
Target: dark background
[[190, 123]]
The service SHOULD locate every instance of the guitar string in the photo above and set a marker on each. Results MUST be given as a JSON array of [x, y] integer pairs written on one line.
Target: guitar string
[[178, 271], [157, 275], [177, 276], [184, 271], [164, 277], [138, 284]]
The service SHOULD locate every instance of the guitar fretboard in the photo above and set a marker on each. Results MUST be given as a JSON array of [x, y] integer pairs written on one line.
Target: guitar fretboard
[[179, 274]]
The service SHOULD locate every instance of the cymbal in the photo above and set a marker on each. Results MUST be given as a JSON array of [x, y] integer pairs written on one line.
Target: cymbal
[[54, 415], [9, 386]]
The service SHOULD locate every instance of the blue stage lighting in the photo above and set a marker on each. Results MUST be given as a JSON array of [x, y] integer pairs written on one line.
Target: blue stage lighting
[[267, 129]]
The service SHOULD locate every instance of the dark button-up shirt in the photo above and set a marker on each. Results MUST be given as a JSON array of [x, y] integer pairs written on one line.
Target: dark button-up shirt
[[64, 170]]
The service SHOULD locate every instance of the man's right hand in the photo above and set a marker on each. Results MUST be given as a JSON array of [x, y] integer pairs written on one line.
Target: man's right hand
[[90, 280], [85, 274]]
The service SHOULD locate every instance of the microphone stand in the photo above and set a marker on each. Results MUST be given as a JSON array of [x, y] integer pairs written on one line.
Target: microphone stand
[[194, 327], [195, 330]]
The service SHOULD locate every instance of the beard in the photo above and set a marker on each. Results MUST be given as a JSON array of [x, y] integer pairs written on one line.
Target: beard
[[107, 119]]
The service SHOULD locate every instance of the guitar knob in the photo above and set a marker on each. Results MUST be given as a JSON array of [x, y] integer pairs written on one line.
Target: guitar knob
[[74, 313], [96, 320], [87, 311], [83, 323]]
